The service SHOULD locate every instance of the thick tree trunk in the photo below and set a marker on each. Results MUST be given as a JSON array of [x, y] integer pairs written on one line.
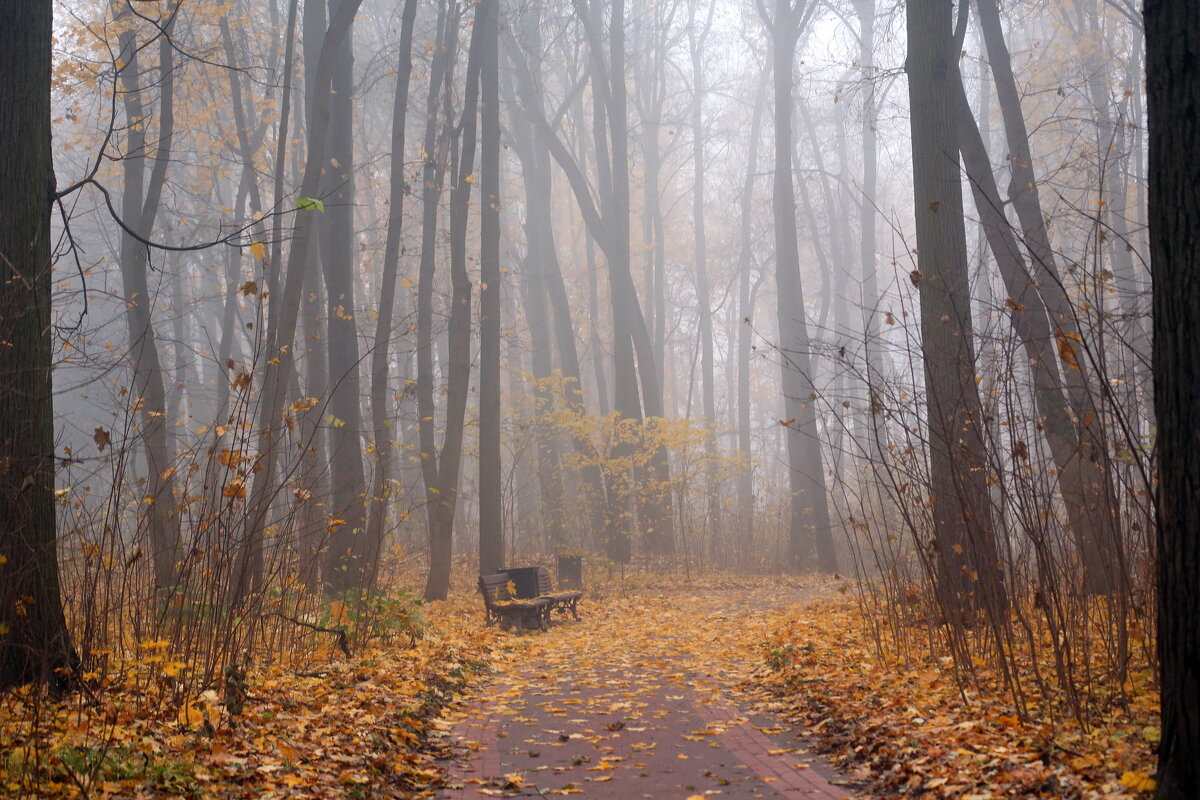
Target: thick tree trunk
[[35, 644], [491, 523], [1173, 102], [968, 570], [432, 179]]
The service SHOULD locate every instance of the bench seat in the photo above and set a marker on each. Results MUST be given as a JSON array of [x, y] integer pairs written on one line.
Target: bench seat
[[502, 608], [562, 602]]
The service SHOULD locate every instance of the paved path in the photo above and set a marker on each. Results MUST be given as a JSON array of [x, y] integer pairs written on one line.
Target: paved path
[[609, 718]]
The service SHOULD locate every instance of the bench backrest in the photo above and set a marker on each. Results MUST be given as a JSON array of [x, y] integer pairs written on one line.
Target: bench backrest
[[545, 584], [494, 588]]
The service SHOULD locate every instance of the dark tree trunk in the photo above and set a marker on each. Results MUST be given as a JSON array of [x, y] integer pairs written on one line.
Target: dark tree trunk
[[344, 563], [139, 208], [1173, 102], [433, 174], [966, 556], [491, 527], [35, 644]]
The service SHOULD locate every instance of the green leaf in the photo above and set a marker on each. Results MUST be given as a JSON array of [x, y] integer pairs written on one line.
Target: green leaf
[[305, 203]]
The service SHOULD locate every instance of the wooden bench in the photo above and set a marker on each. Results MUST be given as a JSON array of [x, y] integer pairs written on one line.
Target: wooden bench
[[500, 605], [562, 602]]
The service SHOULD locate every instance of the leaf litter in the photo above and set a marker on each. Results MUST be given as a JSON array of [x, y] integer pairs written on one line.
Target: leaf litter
[[383, 723]]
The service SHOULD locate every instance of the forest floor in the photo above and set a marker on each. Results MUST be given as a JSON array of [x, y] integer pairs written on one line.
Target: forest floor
[[724, 689]]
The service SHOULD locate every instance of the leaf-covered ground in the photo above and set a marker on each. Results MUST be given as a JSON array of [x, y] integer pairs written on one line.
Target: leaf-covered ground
[[909, 729], [336, 727], [635, 701], [657, 670]]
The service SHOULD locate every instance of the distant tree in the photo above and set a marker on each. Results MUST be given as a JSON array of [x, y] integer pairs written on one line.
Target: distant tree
[[385, 323], [433, 176], [34, 642], [141, 200], [810, 532], [285, 312], [697, 35], [1173, 95], [1097, 534], [747, 293], [443, 496]]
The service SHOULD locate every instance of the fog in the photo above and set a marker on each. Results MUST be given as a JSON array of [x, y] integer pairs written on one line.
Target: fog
[[372, 295]]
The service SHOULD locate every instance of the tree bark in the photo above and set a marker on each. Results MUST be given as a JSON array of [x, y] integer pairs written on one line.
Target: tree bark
[[344, 562], [35, 645], [1031, 323], [284, 313], [491, 527], [1173, 103], [968, 569]]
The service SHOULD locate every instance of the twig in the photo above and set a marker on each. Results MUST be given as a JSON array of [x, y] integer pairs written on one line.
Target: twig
[[343, 641]]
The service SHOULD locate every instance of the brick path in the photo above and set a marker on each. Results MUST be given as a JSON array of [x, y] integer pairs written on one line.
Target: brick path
[[629, 728]]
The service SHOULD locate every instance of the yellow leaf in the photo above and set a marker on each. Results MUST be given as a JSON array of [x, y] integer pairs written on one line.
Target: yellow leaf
[[192, 715], [1138, 781], [258, 250]]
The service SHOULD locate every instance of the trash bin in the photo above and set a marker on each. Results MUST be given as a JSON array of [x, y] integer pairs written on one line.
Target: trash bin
[[570, 572]]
